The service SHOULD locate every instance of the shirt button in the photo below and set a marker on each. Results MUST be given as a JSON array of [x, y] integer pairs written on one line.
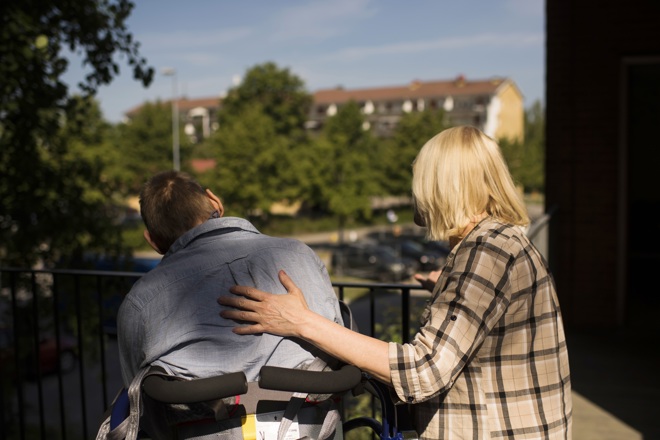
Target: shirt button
[[411, 399]]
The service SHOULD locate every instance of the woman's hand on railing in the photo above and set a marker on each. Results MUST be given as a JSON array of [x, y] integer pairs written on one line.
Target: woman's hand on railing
[[428, 282]]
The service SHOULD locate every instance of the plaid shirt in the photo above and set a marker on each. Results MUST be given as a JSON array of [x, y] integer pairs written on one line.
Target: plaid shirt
[[490, 360]]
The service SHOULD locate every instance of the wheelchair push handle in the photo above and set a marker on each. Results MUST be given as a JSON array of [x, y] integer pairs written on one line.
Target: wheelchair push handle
[[165, 390], [305, 381]]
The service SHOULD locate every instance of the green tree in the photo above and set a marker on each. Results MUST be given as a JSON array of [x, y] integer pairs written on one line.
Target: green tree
[[48, 205], [526, 159], [71, 164], [345, 178], [260, 142], [248, 151], [281, 95], [143, 146], [534, 170], [412, 132]]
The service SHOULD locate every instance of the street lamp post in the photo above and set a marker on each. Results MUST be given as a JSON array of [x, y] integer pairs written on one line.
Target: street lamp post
[[169, 71]]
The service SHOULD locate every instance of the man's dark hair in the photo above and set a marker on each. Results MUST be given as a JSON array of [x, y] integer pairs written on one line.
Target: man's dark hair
[[172, 203]]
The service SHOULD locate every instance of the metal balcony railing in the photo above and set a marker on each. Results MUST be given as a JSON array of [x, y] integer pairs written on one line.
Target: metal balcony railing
[[59, 367]]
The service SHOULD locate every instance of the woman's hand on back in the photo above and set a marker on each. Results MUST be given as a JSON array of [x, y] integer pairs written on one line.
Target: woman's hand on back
[[269, 313]]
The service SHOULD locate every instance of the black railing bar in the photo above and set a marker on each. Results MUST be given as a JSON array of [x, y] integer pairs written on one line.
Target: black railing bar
[[375, 286], [104, 374], [82, 272], [405, 315], [17, 366], [60, 384], [36, 331], [372, 311], [340, 292], [112, 273], [3, 424], [81, 355]]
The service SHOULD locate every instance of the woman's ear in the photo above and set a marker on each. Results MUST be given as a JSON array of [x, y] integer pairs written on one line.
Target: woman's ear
[[215, 201], [147, 236]]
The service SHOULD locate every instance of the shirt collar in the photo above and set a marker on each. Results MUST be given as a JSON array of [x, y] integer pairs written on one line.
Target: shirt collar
[[212, 224]]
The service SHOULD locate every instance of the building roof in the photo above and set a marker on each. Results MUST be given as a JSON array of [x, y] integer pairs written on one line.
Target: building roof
[[416, 89], [201, 165]]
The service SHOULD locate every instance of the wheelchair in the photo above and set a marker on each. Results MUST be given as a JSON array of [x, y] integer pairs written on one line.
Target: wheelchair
[[258, 409], [285, 404]]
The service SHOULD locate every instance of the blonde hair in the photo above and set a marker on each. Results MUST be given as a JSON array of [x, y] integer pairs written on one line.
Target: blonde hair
[[460, 174]]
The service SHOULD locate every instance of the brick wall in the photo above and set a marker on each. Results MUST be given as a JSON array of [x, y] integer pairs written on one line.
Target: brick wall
[[587, 41]]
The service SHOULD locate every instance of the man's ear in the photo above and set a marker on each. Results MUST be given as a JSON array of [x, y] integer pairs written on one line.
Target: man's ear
[[215, 201], [147, 237]]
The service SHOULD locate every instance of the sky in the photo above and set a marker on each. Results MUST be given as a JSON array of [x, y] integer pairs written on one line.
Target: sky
[[210, 44]]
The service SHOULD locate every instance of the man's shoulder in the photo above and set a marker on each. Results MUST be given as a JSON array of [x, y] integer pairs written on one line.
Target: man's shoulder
[[286, 243], [145, 289]]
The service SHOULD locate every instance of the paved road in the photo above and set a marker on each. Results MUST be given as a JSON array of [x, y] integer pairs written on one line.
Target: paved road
[[535, 212], [66, 402]]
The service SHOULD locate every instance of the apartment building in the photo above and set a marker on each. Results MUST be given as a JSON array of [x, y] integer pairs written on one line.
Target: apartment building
[[198, 116], [494, 105]]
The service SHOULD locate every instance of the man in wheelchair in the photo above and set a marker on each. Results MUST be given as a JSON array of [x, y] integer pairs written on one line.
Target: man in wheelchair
[[170, 318]]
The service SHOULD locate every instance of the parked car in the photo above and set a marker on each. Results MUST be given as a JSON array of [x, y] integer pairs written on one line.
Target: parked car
[[50, 355], [427, 257], [372, 261], [431, 255]]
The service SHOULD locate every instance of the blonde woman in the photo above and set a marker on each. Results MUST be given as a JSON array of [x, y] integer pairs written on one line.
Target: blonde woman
[[490, 358]]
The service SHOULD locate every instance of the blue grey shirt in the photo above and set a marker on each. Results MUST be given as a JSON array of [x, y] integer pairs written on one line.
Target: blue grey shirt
[[170, 318]]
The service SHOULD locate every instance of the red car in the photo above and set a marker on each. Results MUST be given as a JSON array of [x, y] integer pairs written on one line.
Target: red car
[[49, 356]]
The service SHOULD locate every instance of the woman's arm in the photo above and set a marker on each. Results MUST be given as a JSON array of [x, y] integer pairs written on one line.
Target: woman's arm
[[288, 315]]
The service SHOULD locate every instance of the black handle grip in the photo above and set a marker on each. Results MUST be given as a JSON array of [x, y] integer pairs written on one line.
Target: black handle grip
[[305, 381], [196, 390]]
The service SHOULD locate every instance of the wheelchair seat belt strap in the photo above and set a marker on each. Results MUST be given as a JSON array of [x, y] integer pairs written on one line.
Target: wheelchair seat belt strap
[[296, 402], [129, 427]]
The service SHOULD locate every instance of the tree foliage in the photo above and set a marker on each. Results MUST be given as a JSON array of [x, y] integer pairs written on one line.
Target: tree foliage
[[143, 146], [247, 176], [412, 132], [526, 159], [50, 199], [260, 142], [534, 176], [73, 210], [346, 177], [280, 94]]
